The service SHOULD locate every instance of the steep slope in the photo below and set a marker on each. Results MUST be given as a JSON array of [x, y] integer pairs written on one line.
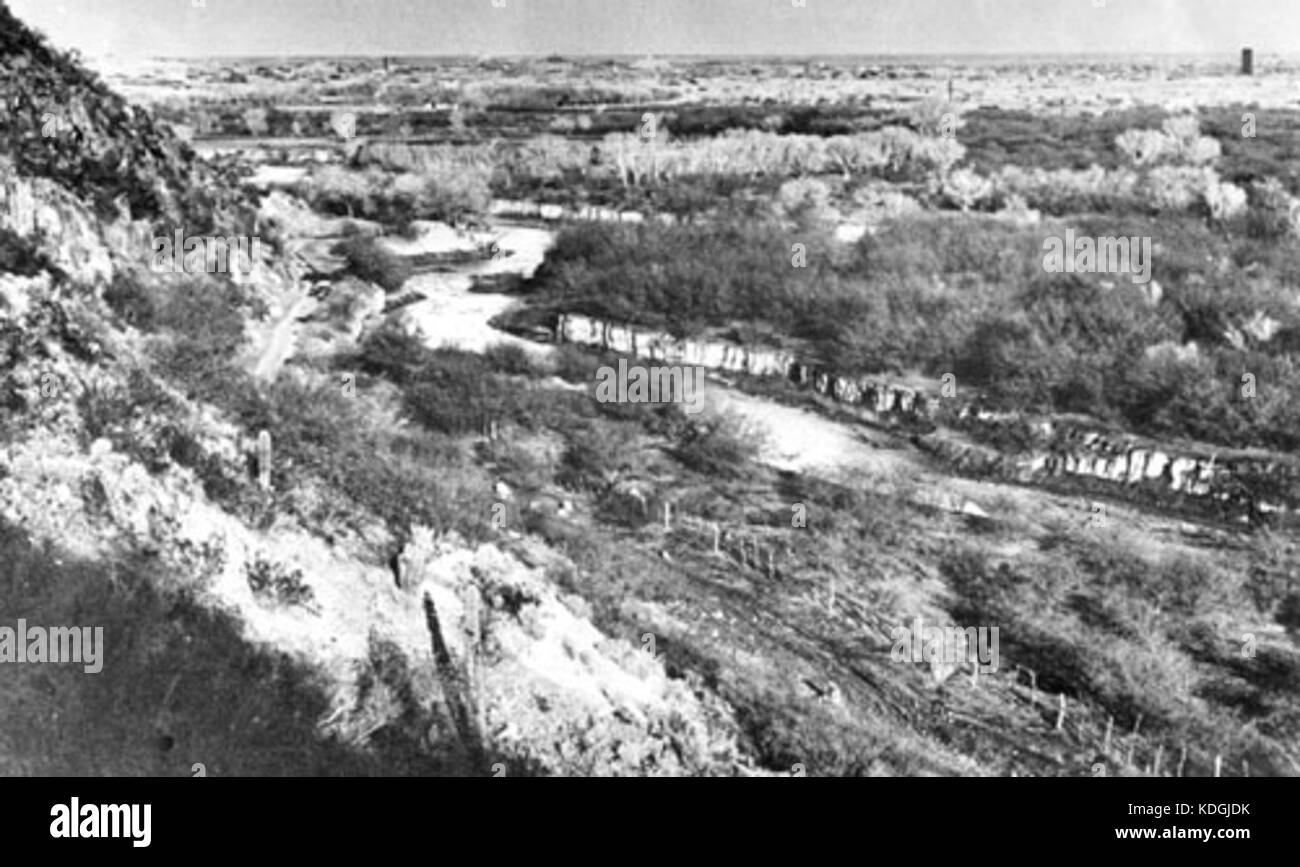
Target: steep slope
[[62, 123], [241, 635]]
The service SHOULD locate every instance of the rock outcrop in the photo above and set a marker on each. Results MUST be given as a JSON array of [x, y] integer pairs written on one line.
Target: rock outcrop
[[57, 224], [529, 678]]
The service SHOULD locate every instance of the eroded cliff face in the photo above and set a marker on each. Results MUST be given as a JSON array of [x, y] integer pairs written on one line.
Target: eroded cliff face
[[1243, 485], [527, 676], [56, 223]]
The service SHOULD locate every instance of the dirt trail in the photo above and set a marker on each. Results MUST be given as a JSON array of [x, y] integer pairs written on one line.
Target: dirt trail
[[280, 340]]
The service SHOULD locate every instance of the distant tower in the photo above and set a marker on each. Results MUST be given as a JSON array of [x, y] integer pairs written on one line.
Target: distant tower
[[1247, 61]]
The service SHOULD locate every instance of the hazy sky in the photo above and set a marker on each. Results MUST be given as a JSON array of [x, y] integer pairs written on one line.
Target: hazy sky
[[176, 27]]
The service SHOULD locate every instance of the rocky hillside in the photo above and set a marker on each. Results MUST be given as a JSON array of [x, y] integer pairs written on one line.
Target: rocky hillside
[[246, 630], [321, 543], [60, 122]]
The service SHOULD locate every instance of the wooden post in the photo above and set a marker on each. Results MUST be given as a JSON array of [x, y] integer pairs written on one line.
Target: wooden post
[[717, 539], [771, 562], [1155, 764], [1245, 768], [668, 515], [1060, 713], [1218, 765], [1105, 744], [1137, 725], [264, 460], [1182, 758]]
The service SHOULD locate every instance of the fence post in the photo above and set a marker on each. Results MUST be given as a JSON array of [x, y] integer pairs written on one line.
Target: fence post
[[1060, 713], [264, 460], [1110, 725], [1218, 765], [717, 539]]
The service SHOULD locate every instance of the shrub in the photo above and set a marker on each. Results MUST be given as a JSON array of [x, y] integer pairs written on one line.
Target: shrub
[[965, 189], [452, 196], [204, 323], [805, 200], [1274, 212], [391, 352], [19, 256], [719, 446], [510, 358], [1288, 613], [132, 300], [593, 457], [280, 584], [1069, 191], [935, 117], [370, 261], [1143, 147], [1178, 188], [1178, 142]]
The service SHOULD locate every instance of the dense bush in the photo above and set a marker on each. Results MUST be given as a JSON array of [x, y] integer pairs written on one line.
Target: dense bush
[[971, 297], [369, 260], [19, 256], [720, 447], [132, 299], [437, 189]]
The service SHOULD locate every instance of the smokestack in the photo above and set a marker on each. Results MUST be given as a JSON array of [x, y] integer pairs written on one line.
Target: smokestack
[[1247, 61]]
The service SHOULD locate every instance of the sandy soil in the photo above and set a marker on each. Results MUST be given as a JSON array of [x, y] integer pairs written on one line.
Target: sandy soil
[[451, 315]]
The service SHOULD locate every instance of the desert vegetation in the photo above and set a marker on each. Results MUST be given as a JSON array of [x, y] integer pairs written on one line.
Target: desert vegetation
[[770, 545]]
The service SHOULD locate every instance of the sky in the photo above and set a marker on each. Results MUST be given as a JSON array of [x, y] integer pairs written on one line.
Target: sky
[[178, 28]]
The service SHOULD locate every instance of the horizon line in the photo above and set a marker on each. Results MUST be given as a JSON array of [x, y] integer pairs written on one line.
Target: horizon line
[[714, 55]]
